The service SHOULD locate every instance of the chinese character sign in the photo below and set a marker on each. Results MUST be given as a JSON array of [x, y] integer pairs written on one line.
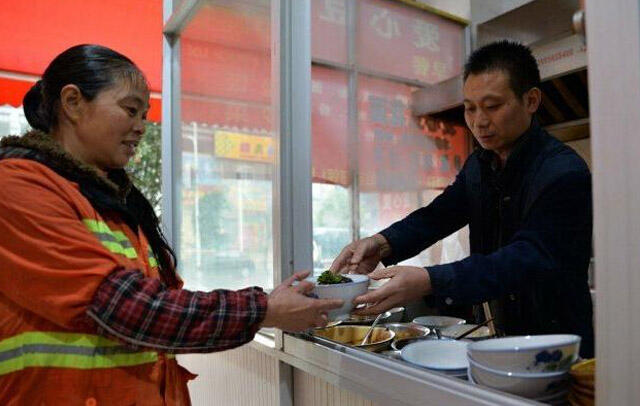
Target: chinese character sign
[[243, 147], [408, 42], [398, 151], [329, 30]]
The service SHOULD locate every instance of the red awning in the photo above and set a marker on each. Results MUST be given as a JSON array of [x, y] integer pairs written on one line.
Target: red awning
[[33, 32]]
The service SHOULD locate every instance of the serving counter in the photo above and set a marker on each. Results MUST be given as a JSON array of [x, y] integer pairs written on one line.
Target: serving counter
[[382, 379]]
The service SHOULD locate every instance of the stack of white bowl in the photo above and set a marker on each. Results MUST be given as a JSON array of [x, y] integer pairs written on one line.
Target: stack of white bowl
[[535, 367]]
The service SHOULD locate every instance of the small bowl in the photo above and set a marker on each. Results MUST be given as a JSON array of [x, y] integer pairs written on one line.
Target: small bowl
[[540, 353], [439, 355], [454, 331], [585, 368], [345, 291], [379, 340], [438, 321], [583, 373], [528, 385], [407, 330]]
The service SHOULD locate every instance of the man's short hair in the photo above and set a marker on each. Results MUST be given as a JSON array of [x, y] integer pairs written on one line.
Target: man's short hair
[[513, 58]]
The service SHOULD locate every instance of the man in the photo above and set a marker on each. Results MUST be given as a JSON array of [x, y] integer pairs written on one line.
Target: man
[[527, 200]]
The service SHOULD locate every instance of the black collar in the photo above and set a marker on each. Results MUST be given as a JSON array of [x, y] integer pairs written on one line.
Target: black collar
[[520, 154], [41, 147]]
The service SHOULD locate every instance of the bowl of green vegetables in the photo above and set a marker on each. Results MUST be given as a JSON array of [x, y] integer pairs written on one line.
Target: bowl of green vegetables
[[338, 286]]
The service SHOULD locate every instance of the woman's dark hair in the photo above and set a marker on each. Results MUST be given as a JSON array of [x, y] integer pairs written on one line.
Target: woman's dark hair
[[513, 58], [150, 224], [94, 68]]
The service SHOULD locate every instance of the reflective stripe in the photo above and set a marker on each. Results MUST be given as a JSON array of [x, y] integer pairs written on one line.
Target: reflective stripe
[[119, 249], [115, 241], [67, 350], [152, 261]]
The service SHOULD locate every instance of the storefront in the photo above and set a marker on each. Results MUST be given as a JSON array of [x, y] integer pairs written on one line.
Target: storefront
[[331, 88], [290, 128]]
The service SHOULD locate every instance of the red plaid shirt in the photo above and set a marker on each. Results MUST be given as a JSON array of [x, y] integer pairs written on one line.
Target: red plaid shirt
[[143, 312]]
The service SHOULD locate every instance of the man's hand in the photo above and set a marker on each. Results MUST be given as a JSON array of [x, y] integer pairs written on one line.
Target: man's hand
[[361, 256], [407, 283], [289, 309]]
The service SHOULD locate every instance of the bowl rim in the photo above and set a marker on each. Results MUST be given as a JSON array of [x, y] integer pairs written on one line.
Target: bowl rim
[[392, 334], [427, 337], [535, 375], [408, 325], [478, 345], [459, 321]]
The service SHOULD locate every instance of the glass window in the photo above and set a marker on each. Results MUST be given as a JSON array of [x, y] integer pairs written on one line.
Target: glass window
[[12, 121], [330, 170], [227, 146], [369, 57], [406, 42], [145, 168], [331, 173]]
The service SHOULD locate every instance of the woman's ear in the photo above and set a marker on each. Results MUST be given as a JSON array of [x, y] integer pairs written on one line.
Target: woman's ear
[[72, 103], [532, 99]]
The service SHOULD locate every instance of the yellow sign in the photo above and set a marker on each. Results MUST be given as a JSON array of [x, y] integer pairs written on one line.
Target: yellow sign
[[243, 146]]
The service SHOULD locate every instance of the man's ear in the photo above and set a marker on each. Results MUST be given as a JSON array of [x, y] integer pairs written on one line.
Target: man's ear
[[72, 103], [533, 99]]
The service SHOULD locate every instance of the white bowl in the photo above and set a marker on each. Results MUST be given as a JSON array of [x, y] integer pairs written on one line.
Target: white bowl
[[345, 291], [438, 321], [440, 355], [528, 385], [541, 353]]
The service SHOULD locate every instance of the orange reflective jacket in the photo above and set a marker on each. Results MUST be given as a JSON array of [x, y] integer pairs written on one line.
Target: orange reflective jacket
[[55, 250]]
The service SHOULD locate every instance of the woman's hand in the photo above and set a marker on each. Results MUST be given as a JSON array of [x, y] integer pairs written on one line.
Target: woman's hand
[[407, 283], [361, 256], [289, 309]]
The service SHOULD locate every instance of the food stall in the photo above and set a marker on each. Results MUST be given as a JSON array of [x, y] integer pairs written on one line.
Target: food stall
[[316, 367]]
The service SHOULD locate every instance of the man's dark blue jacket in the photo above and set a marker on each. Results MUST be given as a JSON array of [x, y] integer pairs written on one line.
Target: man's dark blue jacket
[[530, 226]]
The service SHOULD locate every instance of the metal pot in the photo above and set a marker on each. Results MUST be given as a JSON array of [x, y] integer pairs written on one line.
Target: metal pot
[[379, 339]]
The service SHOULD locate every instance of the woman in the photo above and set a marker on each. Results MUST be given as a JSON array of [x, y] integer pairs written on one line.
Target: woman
[[91, 307]]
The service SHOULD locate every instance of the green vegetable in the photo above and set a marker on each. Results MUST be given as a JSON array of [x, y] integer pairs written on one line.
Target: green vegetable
[[329, 278]]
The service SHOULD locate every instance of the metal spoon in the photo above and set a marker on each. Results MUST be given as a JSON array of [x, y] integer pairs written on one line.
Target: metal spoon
[[364, 340]]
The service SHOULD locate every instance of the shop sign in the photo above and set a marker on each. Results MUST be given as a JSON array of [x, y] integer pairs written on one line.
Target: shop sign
[[243, 147]]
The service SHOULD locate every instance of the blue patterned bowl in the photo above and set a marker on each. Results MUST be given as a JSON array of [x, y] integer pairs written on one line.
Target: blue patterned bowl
[[527, 354], [528, 385]]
